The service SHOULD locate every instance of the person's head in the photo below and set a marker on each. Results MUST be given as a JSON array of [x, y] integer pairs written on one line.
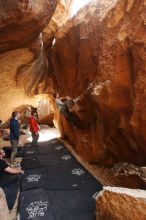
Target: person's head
[[15, 115], [2, 153], [28, 109], [1, 123], [34, 114], [70, 103], [57, 95], [63, 99]]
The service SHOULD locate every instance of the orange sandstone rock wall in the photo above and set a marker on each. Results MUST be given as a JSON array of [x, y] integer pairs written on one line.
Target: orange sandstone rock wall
[[23, 65], [119, 203], [99, 59], [22, 21]]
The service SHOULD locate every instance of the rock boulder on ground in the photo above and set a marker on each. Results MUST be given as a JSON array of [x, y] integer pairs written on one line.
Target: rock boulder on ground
[[115, 203], [4, 212]]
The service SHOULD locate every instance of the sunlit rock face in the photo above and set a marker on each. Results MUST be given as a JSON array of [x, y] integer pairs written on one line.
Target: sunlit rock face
[[23, 65], [22, 21], [99, 57], [59, 18], [4, 211], [120, 203]]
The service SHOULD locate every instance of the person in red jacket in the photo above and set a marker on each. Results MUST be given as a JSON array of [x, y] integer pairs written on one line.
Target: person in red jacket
[[34, 128]]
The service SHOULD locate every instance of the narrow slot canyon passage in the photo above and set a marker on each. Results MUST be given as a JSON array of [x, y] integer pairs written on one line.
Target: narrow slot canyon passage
[[73, 109]]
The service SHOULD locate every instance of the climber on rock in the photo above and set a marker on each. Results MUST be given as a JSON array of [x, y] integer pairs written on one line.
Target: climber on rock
[[59, 102], [65, 107]]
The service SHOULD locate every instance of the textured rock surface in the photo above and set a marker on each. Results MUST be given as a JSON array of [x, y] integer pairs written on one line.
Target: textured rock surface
[[22, 21], [45, 112], [4, 212], [20, 75], [121, 203], [123, 175], [59, 18], [99, 57], [23, 66]]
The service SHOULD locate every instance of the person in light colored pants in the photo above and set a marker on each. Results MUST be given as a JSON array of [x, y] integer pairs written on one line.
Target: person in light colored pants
[[14, 144]]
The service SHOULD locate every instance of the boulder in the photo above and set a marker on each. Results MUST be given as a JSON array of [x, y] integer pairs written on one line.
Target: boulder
[[115, 203], [23, 65], [23, 21], [99, 61], [4, 212]]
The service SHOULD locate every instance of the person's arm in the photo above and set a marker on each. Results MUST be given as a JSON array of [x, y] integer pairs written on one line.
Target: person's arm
[[59, 103], [14, 170], [70, 103]]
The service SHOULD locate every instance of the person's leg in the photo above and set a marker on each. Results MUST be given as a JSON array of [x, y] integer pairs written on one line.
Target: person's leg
[[34, 138], [14, 144], [69, 115], [37, 137]]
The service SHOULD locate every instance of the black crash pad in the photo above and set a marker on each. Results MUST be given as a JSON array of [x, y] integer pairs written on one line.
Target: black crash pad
[[54, 159], [71, 176], [30, 152], [45, 143], [66, 186], [43, 150], [10, 185], [34, 204], [35, 178], [47, 160], [71, 169], [47, 148], [59, 178], [72, 205], [57, 205], [72, 184], [30, 163], [8, 151]]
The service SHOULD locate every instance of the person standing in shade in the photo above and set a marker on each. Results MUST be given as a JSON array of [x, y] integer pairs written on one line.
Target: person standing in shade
[[14, 135], [34, 128], [1, 135]]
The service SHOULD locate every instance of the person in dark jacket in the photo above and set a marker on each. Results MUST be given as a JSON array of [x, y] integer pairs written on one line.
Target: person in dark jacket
[[1, 135], [14, 135]]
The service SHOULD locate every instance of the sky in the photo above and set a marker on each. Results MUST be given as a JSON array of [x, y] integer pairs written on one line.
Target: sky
[[77, 4]]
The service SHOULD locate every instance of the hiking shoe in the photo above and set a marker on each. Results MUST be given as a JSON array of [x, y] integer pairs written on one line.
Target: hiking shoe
[[15, 165]]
